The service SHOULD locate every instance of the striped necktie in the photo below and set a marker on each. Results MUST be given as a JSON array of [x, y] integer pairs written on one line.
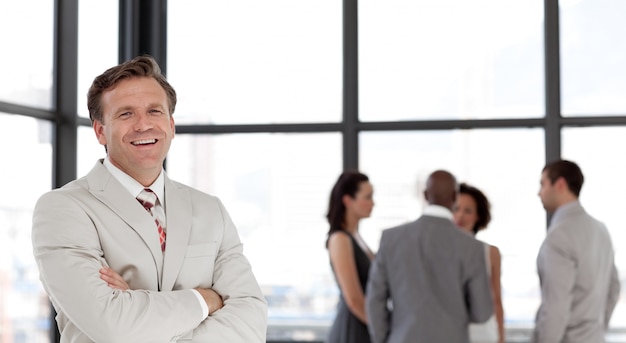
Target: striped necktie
[[148, 199]]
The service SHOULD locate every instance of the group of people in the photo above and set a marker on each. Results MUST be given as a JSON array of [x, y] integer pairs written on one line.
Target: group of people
[[126, 254], [431, 280]]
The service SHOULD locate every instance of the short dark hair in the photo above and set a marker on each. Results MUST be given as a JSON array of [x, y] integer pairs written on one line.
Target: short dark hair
[[569, 171], [141, 66], [483, 207], [348, 183]]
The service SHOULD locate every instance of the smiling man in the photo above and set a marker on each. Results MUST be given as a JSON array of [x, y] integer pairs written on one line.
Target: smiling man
[[127, 254], [136, 127]]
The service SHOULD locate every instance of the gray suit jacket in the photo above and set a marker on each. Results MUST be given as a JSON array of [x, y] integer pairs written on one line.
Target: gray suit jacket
[[94, 221], [579, 282], [436, 278]]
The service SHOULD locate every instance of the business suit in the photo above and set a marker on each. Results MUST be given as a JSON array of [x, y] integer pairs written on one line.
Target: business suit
[[436, 278], [579, 281], [95, 221]]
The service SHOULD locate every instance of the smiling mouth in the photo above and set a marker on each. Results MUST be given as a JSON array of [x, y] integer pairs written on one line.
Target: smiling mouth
[[144, 141]]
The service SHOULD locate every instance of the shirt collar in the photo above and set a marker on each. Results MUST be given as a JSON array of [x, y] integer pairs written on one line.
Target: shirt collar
[[134, 187], [563, 210], [437, 211]]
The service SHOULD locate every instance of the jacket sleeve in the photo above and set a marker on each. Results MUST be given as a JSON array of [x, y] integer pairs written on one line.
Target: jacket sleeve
[[244, 315], [377, 294], [613, 295], [68, 253], [557, 270]]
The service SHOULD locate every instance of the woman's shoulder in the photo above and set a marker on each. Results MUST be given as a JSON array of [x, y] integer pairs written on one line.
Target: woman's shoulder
[[492, 247], [340, 235], [494, 252]]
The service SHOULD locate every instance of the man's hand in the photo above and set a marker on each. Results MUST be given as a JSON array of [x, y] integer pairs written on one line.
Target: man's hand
[[212, 299], [113, 279]]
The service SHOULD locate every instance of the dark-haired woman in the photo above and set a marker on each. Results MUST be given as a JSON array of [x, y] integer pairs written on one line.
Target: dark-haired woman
[[472, 214], [351, 200]]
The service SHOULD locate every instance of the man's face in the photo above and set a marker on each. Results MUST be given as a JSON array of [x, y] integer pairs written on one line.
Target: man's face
[[547, 193], [137, 128]]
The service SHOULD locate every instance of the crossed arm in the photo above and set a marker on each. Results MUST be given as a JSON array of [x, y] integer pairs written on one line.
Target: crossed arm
[[114, 280]]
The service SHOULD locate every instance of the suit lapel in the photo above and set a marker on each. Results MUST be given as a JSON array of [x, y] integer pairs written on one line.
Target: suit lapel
[[178, 216], [110, 192]]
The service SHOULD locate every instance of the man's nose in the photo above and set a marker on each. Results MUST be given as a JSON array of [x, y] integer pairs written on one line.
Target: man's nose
[[142, 122]]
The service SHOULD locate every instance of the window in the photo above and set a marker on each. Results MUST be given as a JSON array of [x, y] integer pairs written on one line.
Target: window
[[276, 189], [24, 306], [27, 53], [89, 150], [276, 61], [451, 59], [593, 70], [97, 45]]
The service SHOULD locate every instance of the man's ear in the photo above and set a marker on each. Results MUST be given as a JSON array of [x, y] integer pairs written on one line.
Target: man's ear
[[98, 128], [173, 126], [561, 184]]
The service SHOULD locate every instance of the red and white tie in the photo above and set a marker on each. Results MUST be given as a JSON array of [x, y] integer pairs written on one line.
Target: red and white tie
[[148, 198]]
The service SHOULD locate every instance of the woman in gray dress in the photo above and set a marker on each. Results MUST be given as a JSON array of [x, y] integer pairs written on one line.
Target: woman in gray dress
[[351, 200]]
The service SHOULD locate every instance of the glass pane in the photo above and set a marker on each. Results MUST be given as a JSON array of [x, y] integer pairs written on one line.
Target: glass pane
[[276, 61], [593, 63], [276, 188], [506, 164], [26, 41], [24, 306], [98, 27], [89, 150], [598, 151], [452, 59]]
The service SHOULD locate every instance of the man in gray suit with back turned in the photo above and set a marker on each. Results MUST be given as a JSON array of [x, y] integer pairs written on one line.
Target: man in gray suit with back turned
[[434, 274], [579, 282]]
